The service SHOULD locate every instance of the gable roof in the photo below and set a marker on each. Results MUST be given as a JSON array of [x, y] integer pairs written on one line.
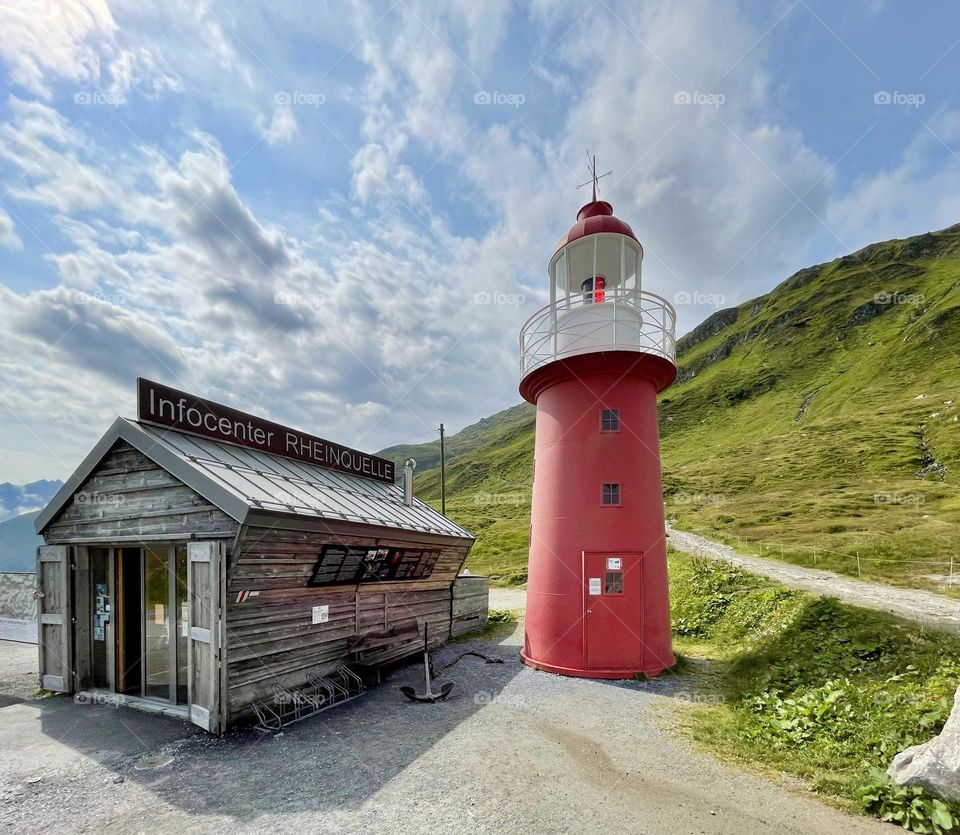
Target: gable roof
[[241, 481]]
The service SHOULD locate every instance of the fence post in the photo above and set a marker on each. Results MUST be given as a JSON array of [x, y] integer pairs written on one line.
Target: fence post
[[858, 564]]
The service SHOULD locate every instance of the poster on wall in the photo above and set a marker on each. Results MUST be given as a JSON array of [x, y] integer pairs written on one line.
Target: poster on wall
[[99, 626]]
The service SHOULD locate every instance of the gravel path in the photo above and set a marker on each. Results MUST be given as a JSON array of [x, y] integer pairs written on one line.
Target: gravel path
[[512, 751], [507, 598], [913, 604]]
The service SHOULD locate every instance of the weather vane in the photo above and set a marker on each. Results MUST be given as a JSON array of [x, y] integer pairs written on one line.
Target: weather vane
[[592, 168]]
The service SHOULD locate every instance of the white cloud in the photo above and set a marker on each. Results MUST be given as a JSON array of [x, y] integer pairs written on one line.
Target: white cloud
[[56, 38], [919, 193], [8, 233], [143, 70], [283, 124]]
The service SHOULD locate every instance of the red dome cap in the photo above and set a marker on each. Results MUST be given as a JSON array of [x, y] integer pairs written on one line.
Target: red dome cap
[[594, 218]]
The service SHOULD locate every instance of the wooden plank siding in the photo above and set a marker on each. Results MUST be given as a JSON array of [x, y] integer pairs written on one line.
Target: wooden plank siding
[[271, 637], [128, 496]]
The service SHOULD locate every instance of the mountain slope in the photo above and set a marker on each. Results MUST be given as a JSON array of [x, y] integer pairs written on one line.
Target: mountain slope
[[478, 434], [18, 543], [823, 414]]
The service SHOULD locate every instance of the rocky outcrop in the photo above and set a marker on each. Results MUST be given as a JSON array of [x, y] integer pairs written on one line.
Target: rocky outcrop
[[688, 372], [711, 326], [934, 765]]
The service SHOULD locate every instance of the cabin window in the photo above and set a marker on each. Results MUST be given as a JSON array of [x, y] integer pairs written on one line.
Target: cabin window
[[611, 494], [339, 564], [609, 420]]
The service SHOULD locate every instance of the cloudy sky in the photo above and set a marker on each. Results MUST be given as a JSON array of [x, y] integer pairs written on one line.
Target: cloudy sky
[[338, 214]]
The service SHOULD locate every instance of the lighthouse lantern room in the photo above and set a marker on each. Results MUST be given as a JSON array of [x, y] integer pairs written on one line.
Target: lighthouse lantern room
[[593, 361]]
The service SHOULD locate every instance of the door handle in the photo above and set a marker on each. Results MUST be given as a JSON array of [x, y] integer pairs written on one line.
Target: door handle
[[589, 611]]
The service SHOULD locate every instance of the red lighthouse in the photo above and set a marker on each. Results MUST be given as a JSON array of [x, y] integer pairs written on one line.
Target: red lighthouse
[[593, 362]]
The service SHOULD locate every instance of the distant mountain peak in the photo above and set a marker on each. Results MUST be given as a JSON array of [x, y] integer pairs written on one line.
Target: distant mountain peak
[[17, 499]]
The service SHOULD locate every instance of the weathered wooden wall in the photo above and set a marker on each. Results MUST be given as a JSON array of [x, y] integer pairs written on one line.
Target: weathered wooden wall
[[271, 636], [129, 496], [471, 597]]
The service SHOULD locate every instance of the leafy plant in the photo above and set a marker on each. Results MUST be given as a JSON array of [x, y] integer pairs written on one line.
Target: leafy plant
[[813, 687], [910, 806], [825, 710]]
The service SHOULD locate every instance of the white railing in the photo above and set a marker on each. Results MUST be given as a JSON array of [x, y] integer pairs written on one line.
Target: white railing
[[627, 320]]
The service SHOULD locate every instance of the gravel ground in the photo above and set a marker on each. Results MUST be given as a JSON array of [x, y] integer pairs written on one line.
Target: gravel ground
[[921, 606], [508, 598], [512, 751]]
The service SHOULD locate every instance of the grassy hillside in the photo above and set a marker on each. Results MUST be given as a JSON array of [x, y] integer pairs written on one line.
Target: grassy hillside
[[823, 415], [488, 487], [479, 434], [810, 687]]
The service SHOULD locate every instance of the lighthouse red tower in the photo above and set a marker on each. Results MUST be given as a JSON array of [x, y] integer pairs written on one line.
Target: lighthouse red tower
[[593, 362]]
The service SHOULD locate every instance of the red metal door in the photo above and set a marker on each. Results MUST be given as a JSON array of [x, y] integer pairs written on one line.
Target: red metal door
[[612, 609]]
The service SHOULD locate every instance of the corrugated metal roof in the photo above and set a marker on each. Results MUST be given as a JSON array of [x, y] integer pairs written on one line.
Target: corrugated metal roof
[[239, 480]]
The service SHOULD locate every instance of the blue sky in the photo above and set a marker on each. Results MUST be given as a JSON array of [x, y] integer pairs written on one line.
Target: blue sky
[[290, 207]]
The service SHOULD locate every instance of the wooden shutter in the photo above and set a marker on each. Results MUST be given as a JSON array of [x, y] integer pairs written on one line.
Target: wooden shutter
[[54, 615], [204, 565]]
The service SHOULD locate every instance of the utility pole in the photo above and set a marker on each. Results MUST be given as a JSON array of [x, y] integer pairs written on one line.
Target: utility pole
[[443, 476]]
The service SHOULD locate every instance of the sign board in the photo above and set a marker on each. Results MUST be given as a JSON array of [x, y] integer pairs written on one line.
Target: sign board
[[614, 563], [321, 614], [164, 406], [594, 586]]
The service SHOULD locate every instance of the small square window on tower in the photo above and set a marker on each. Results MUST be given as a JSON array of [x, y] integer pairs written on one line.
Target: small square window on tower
[[609, 420], [613, 582], [611, 494]]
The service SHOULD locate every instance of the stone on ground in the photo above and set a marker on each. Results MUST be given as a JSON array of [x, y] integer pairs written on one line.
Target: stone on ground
[[934, 765]]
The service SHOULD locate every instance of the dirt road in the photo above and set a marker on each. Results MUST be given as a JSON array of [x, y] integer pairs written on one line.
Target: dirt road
[[513, 751], [920, 606]]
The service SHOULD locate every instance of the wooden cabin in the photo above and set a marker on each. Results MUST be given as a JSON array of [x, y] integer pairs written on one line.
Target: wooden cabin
[[189, 574]]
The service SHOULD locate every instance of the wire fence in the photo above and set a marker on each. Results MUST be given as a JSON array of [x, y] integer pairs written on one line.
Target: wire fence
[[766, 547]]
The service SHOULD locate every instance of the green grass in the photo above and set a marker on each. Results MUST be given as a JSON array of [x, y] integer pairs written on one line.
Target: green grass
[[804, 420], [808, 686]]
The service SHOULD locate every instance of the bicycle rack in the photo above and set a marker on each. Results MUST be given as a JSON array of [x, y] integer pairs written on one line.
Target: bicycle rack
[[320, 693]]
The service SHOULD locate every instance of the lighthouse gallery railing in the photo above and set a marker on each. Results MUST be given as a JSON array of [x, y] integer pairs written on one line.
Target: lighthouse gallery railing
[[627, 320]]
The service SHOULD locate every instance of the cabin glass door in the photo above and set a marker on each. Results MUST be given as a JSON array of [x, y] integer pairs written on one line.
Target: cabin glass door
[[157, 637]]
